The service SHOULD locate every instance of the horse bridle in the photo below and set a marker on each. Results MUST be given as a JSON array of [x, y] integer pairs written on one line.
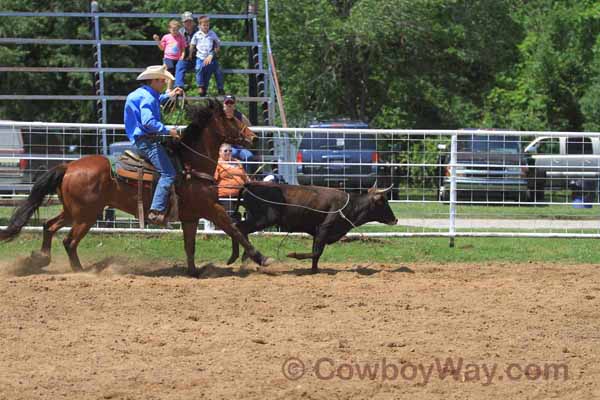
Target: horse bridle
[[228, 139]]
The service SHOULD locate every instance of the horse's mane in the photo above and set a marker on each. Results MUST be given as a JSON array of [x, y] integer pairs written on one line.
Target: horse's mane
[[200, 115]]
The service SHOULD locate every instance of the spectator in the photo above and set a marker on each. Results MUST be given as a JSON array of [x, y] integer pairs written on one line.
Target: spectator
[[187, 63], [230, 177], [245, 155], [173, 45], [207, 45], [229, 106]]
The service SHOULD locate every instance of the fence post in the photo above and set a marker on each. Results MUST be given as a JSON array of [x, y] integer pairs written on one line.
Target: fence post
[[452, 224], [99, 84]]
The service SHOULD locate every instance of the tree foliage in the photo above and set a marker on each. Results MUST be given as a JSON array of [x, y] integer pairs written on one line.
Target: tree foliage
[[523, 64]]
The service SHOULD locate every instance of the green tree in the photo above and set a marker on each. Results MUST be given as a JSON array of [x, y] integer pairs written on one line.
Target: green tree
[[546, 89]]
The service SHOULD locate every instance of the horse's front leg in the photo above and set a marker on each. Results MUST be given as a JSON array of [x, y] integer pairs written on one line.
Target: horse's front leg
[[220, 218], [189, 240]]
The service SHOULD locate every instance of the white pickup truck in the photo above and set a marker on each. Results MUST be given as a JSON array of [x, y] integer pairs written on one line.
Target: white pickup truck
[[13, 169], [558, 161]]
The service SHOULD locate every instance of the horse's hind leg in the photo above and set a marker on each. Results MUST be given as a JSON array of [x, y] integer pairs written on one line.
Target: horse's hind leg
[[42, 258], [77, 232]]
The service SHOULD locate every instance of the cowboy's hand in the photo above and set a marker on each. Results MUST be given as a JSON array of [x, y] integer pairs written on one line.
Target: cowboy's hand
[[178, 91], [174, 134], [156, 37], [208, 60]]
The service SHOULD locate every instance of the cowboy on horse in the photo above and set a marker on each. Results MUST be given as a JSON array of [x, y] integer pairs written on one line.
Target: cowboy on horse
[[143, 124]]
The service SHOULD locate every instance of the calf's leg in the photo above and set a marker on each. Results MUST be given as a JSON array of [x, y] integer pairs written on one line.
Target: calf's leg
[[318, 247]]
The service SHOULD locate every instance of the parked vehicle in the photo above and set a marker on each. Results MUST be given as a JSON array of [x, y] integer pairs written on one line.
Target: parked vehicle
[[559, 163], [337, 151], [14, 175], [489, 167]]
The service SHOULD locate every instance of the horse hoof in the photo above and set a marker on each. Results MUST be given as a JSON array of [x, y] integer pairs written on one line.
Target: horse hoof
[[194, 273], [232, 259], [266, 261], [38, 260]]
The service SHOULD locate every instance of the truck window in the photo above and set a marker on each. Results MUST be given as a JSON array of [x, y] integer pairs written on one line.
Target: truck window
[[549, 146], [489, 144], [579, 145], [338, 141]]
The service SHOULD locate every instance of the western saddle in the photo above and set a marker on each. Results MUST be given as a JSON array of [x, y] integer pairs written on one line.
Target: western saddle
[[131, 167]]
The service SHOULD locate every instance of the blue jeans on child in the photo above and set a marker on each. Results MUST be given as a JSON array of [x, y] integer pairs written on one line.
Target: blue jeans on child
[[183, 66], [204, 73], [157, 155], [171, 64]]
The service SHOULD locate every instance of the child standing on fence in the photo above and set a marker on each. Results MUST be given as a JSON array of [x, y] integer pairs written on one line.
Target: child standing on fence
[[173, 44], [206, 43]]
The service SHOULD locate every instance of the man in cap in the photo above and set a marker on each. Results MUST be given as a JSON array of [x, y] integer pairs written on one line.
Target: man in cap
[[188, 62], [143, 124]]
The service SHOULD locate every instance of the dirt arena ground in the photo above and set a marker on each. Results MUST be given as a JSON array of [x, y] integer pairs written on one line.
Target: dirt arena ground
[[353, 332]]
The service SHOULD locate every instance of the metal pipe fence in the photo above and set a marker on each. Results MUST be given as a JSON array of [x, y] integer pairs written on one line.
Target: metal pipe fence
[[100, 62], [447, 183]]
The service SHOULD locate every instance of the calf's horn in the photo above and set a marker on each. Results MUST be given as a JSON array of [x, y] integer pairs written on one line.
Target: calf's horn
[[382, 191]]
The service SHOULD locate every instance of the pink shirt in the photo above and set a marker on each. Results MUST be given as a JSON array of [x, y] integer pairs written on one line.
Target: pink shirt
[[173, 45]]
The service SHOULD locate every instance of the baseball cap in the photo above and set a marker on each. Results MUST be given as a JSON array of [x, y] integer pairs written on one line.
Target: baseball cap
[[187, 16], [229, 99]]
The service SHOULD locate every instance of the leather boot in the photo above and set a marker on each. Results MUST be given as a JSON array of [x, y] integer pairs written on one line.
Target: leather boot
[[157, 218]]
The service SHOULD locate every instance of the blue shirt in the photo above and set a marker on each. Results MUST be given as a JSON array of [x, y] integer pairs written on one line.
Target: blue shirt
[[205, 43], [142, 113]]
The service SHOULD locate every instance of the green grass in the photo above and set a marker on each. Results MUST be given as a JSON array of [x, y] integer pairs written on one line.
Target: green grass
[[413, 210], [168, 249], [439, 210]]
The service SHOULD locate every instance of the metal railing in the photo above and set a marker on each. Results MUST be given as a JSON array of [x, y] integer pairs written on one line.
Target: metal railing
[[99, 63], [448, 183]]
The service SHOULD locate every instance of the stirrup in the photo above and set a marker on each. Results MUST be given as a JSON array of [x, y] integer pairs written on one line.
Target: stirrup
[[157, 218]]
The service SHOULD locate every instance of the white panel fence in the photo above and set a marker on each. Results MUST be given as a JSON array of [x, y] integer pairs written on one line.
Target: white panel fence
[[446, 182]]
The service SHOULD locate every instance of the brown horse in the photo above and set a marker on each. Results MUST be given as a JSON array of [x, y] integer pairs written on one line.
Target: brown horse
[[86, 186]]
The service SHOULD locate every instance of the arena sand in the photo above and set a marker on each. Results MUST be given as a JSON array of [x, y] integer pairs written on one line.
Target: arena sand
[[126, 331]]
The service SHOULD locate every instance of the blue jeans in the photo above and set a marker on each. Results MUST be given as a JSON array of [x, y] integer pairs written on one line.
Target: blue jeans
[[204, 73], [241, 154], [182, 67], [244, 155], [157, 155], [171, 64]]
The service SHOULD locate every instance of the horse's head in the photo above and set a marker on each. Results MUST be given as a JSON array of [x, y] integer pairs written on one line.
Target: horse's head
[[212, 116]]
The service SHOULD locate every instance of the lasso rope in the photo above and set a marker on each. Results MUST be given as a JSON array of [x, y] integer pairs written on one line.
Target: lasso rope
[[190, 149], [338, 211]]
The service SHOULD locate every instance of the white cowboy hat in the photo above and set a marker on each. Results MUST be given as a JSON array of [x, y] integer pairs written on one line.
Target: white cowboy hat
[[155, 72]]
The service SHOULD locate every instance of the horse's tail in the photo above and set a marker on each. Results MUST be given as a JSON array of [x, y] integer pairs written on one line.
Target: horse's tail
[[44, 185]]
